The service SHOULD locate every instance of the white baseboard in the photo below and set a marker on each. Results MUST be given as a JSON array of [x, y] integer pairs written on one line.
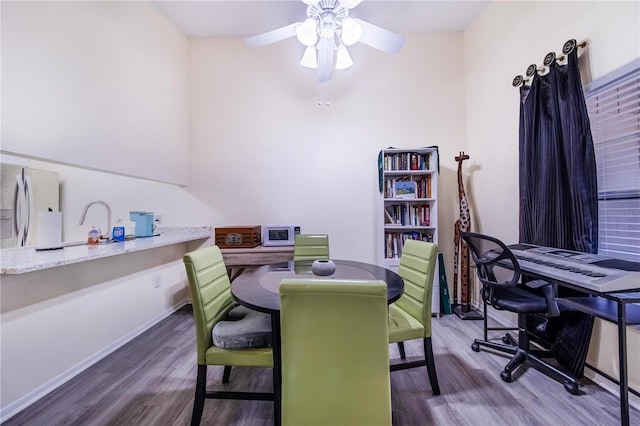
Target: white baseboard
[[25, 401]]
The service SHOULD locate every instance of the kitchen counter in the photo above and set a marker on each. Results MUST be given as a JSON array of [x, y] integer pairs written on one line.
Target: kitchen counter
[[23, 260]]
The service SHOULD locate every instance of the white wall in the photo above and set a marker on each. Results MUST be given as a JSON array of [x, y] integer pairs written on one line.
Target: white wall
[[500, 44], [263, 150], [99, 84]]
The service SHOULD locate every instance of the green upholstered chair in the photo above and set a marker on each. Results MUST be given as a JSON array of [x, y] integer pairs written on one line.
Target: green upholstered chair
[[410, 316], [311, 247], [212, 300], [335, 352]]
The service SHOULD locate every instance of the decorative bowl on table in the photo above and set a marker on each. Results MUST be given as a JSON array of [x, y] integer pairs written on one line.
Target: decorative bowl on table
[[323, 267]]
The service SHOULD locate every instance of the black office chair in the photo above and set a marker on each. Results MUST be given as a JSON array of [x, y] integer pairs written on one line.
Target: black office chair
[[499, 272]]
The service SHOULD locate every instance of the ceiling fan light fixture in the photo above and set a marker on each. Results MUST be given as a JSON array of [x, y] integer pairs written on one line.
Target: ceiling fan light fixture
[[351, 32], [327, 32], [343, 59], [309, 59], [306, 32]]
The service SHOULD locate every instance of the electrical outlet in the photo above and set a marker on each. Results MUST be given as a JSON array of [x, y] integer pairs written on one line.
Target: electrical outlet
[[156, 281]]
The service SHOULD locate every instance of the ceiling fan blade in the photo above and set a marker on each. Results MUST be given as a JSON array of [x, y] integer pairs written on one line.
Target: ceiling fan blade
[[349, 4], [273, 35], [325, 59], [379, 38]]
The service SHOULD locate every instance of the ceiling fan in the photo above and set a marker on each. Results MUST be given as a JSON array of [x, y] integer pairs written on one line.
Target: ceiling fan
[[327, 32]]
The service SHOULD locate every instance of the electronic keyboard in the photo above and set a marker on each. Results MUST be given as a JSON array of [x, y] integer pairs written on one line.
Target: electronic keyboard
[[590, 271]]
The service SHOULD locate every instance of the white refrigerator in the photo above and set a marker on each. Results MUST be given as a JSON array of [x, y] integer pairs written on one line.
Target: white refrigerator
[[23, 193]]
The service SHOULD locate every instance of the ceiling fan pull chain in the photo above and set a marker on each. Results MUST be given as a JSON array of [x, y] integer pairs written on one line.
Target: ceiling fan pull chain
[[323, 97]]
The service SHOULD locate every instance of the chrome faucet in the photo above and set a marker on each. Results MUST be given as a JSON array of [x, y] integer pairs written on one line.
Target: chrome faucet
[[84, 214]]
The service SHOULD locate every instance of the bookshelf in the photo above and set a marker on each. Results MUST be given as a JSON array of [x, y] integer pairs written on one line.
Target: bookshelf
[[408, 207]]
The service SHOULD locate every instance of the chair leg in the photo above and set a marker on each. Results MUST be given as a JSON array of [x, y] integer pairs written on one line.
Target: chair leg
[[431, 366], [518, 359], [496, 346], [198, 402], [403, 355], [226, 374]]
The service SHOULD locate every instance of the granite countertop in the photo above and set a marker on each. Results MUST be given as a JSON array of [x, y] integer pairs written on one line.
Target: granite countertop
[[26, 259]]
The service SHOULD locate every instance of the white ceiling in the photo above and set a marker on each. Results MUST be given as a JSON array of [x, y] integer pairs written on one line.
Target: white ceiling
[[243, 18]]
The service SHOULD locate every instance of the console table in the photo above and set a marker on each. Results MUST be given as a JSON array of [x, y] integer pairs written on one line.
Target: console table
[[238, 259]]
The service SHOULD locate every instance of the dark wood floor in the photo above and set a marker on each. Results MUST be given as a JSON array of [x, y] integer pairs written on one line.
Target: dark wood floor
[[150, 381]]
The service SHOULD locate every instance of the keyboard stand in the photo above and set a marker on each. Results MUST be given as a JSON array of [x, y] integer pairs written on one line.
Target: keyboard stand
[[613, 307]]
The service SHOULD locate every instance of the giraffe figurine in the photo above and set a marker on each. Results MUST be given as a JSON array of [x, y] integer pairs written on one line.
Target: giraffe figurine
[[463, 224]]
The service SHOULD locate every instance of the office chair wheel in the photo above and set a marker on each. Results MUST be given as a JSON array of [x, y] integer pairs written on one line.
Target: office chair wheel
[[506, 376], [506, 340], [475, 347], [572, 388]]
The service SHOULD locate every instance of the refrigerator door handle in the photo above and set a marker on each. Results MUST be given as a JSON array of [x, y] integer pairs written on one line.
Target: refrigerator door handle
[[30, 209], [21, 211]]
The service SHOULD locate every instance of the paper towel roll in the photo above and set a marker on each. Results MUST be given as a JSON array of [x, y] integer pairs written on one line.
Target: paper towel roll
[[49, 231]]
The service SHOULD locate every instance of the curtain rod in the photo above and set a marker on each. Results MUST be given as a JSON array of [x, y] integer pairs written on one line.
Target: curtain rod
[[551, 57]]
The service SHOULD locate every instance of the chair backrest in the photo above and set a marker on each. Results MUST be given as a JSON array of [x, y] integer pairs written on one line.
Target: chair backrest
[[488, 254], [210, 293], [335, 352], [417, 268], [311, 247]]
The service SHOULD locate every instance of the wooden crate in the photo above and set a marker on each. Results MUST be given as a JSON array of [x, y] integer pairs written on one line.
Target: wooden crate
[[238, 236]]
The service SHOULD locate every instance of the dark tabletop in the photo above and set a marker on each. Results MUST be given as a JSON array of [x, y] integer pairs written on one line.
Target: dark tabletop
[[258, 288]]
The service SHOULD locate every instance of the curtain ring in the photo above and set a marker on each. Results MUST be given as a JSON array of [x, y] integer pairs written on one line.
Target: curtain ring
[[531, 70], [549, 59], [569, 46], [518, 80], [572, 44]]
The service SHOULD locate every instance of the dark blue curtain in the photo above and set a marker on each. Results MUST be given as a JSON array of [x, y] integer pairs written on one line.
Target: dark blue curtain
[[558, 191]]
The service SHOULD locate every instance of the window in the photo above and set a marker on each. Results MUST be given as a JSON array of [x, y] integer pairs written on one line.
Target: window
[[613, 103]]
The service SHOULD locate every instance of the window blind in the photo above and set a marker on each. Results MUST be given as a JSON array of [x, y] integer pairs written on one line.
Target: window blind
[[614, 113]]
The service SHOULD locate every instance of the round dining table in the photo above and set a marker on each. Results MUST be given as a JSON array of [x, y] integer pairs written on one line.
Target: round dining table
[[257, 289]]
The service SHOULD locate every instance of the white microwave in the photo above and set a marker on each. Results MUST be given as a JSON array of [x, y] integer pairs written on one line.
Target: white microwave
[[279, 235]]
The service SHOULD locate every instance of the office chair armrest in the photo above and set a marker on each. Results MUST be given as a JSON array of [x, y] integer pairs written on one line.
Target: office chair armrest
[[550, 291]]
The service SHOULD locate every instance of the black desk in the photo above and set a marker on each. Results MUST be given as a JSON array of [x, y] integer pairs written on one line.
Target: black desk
[[610, 307], [258, 289]]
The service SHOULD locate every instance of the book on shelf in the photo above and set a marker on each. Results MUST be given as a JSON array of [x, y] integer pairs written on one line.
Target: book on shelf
[[395, 241], [406, 161], [388, 215], [426, 215], [404, 189]]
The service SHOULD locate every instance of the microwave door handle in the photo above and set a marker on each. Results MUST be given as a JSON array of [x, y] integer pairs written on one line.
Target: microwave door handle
[[21, 201], [29, 222]]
